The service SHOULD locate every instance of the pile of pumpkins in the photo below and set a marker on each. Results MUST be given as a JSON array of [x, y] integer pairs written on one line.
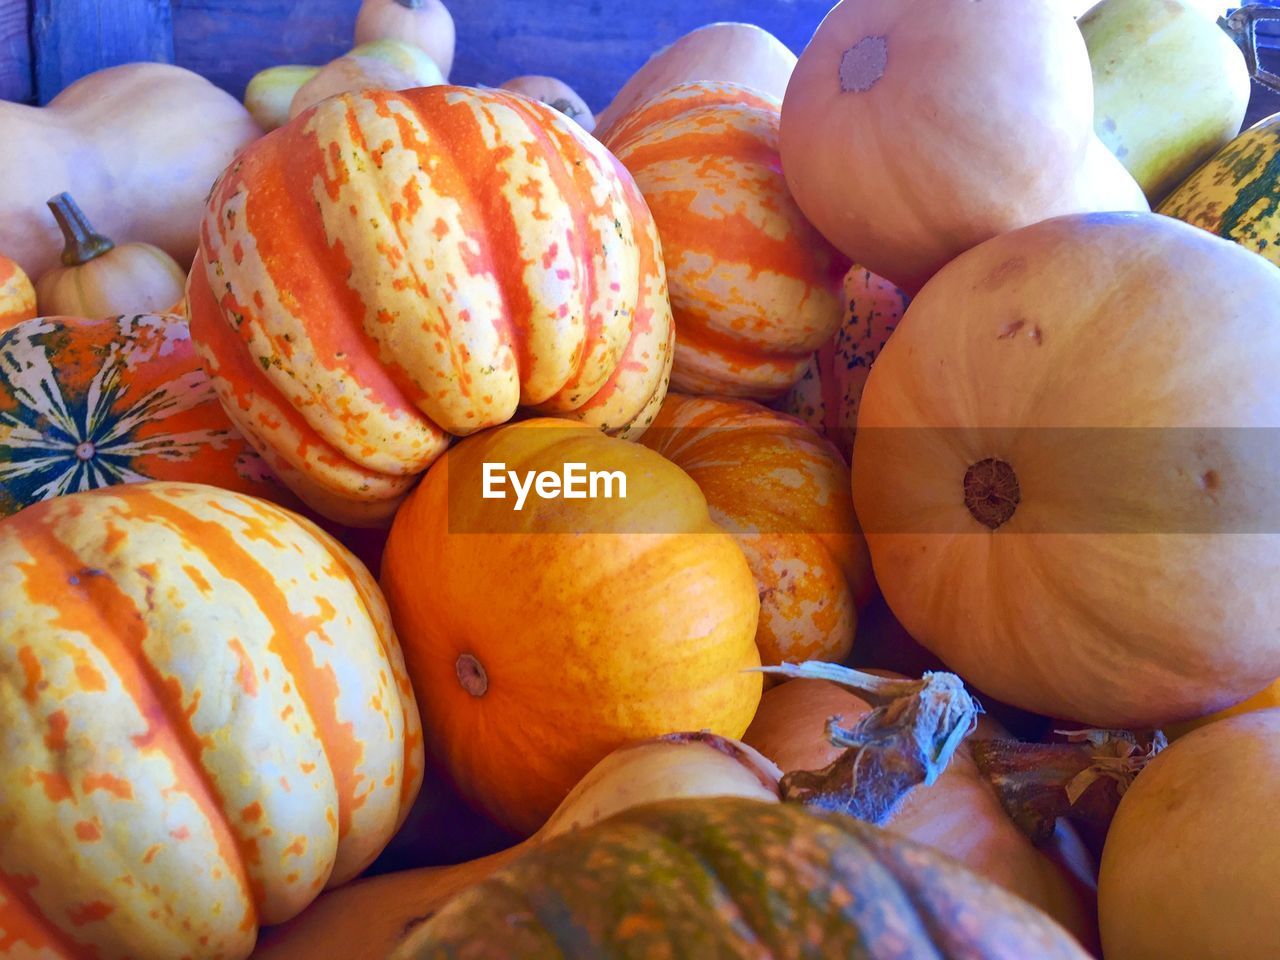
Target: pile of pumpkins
[[951, 345]]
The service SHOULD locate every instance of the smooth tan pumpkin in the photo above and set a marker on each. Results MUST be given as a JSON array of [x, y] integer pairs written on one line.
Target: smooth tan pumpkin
[[740, 53], [959, 814], [139, 145], [17, 295], [981, 117], [376, 65], [1266, 699], [552, 635], [783, 492], [99, 278], [1189, 868], [555, 93], [271, 91], [1054, 477], [424, 23]]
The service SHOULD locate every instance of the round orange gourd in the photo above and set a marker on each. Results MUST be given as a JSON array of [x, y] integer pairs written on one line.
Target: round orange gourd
[[912, 131], [755, 289], [356, 312], [1069, 492], [17, 295], [206, 722], [783, 492], [94, 403], [539, 640]]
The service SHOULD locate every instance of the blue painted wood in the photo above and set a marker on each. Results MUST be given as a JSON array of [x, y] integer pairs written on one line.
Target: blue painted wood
[[72, 38], [16, 80]]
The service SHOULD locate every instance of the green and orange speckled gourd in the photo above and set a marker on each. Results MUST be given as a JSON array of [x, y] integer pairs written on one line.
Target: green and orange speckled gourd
[[736, 878]]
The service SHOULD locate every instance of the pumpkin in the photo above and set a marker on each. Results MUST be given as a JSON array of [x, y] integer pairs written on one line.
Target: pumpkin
[[554, 93], [827, 396], [1040, 435], [739, 53], [138, 145], [424, 23], [974, 134], [1266, 699], [783, 493], [100, 279], [679, 765], [643, 627], [1189, 869], [17, 295], [271, 91], [959, 814], [1236, 194], [377, 65], [206, 722], [310, 317], [754, 288], [93, 403], [735, 877], [1170, 87]]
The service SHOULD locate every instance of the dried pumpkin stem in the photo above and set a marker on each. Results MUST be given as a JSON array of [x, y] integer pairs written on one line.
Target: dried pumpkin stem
[[906, 741], [82, 242], [1082, 780]]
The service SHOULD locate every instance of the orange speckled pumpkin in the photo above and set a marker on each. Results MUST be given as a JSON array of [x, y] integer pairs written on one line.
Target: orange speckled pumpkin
[[754, 287], [17, 295], [92, 403], [783, 492], [204, 717], [541, 639], [392, 269]]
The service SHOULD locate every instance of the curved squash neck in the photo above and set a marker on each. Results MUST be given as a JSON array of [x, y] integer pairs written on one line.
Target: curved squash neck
[[82, 242]]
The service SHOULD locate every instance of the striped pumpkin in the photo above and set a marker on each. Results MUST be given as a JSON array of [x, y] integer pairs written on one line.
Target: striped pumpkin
[[393, 269], [755, 289], [1236, 194], [17, 295], [784, 493], [204, 720], [93, 403]]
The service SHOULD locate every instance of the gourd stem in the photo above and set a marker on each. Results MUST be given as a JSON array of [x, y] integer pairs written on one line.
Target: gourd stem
[[905, 742], [1039, 783], [1242, 27], [82, 242]]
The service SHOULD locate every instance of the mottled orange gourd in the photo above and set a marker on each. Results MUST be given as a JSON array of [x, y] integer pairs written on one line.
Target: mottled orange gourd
[[17, 295], [205, 717], [754, 287], [393, 269], [783, 492]]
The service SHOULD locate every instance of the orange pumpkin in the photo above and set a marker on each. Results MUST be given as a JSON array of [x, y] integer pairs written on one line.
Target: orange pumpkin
[[392, 269], [17, 295], [540, 639], [1068, 492], [959, 814], [783, 492], [93, 403], [207, 722], [755, 289], [830, 392], [1265, 700]]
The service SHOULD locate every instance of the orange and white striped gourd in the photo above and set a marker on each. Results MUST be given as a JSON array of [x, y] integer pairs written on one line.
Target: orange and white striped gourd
[[754, 287], [395, 269], [17, 294], [206, 722]]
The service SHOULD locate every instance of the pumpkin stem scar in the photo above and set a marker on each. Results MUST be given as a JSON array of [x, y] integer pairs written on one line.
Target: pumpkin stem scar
[[471, 675], [863, 64], [991, 492]]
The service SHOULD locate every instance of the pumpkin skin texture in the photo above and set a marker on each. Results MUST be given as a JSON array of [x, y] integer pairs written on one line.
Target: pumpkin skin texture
[[959, 815], [646, 617], [554, 93], [949, 168], [138, 145], [424, 23], [202, 703], [1189, 868], [783, 493], [827, 397], [94, 403], [1236, 194], [1098, 456], [740, 53], [755, 289], [686, 877], [318, 347], [377, 65], [17, 295], [1265, 700]]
